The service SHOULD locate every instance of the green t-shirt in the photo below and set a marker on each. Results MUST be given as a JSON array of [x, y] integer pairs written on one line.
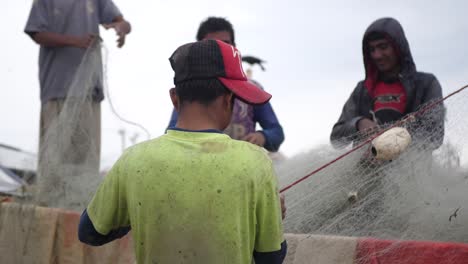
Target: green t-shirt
[[192, 197]]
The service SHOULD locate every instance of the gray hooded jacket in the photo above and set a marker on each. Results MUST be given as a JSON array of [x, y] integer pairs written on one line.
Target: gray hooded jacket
[[420, 88]]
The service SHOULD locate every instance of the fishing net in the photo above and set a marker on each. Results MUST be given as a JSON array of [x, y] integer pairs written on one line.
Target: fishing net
[[420, 194], [69, 150], [68, 174]]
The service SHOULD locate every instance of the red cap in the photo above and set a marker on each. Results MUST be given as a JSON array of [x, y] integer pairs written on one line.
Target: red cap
[[236, 80], [215, 59]]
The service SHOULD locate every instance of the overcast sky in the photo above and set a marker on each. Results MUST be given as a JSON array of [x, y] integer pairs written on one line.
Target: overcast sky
[[312, 49]]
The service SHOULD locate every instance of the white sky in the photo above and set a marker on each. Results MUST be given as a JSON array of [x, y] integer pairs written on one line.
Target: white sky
[[312, 49]]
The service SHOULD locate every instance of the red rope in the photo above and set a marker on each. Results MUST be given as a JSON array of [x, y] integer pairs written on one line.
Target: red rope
[[420, 111]]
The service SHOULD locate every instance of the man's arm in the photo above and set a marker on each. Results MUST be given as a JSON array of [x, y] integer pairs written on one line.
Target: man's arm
[[51, 39], [106, 217], [272, 130], [89, 235], [432, 121], [271, 257], [270, 246], [111, 17], [346, 127], [122, 29], [38, 28], [120, 19]]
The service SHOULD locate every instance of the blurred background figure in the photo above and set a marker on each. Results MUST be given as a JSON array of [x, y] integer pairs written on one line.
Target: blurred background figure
[[245, 117], [71, 89]]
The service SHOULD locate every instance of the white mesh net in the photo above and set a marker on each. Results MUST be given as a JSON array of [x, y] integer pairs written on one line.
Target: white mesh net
[[421, 194], [68, 170], [418, 195]]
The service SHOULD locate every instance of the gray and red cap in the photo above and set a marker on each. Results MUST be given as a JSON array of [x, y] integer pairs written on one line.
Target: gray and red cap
[[214, 59]]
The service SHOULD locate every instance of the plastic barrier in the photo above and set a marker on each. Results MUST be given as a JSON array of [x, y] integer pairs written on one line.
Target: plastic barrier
[[31, 234]]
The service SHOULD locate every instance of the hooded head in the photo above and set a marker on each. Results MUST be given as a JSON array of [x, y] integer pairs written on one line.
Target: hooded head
[[390, 30]]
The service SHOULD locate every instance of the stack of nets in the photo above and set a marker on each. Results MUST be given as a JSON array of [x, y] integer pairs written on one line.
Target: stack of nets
[[420, 195]]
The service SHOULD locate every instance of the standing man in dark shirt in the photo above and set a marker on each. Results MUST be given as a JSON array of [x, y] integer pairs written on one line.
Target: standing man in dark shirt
[[68, 35]]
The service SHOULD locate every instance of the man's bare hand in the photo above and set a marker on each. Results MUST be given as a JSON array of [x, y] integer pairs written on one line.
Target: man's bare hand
[[256, 138], [366, 124], [367, 128], [84, 42], [122, 28]]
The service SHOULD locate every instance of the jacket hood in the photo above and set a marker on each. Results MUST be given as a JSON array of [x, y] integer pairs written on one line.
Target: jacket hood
[[394, 31]]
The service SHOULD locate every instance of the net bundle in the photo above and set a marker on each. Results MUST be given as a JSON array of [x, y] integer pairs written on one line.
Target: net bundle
[[418, 194]]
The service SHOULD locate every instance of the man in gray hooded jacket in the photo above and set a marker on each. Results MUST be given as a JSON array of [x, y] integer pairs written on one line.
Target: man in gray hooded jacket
[[392, 89]]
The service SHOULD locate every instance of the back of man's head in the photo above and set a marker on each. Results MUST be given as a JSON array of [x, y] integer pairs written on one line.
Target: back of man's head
[[200, 91], [215, 24]]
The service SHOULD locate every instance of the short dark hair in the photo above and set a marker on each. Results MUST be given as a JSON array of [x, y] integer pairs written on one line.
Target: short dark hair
[[201, 91], [376, 35], [215, 24]]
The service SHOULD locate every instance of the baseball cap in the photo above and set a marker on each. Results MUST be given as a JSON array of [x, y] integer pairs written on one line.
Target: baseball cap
[[210, 59]]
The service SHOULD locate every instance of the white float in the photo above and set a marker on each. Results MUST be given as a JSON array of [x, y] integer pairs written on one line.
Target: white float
[[391, 143]]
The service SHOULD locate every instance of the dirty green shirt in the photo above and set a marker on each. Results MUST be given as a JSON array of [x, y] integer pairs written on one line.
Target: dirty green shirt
[[192, 197]]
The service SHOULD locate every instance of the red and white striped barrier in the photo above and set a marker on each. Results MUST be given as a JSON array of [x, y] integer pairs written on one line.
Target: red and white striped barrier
[[308, 249], [31, 234]]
